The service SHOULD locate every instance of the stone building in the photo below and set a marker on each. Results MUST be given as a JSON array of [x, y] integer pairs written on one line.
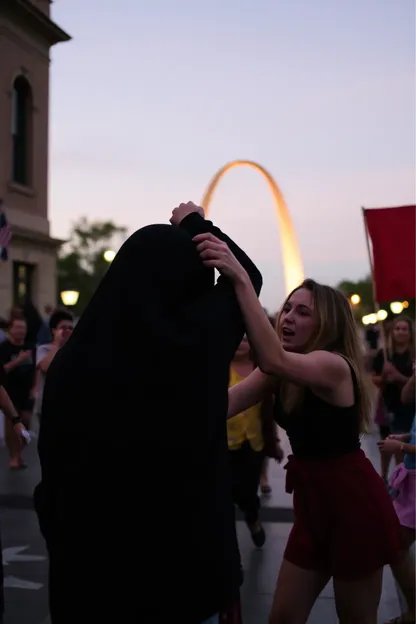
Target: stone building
[[27, 34]]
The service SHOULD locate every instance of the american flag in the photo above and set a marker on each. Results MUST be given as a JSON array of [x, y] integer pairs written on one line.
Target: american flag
[[5, 235]]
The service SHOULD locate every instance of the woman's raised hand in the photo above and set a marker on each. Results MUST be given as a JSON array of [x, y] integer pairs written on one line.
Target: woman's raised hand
[[215, 253], [183, 210]]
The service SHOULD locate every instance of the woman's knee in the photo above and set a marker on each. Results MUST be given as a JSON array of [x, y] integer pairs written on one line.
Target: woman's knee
[[357, 602], [296, 592], [286, 615]]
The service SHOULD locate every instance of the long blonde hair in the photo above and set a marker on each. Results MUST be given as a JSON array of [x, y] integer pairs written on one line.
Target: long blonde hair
[[391, 347], [336, 332]]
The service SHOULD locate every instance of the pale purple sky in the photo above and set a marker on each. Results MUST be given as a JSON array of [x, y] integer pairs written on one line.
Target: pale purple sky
[[151, 98]]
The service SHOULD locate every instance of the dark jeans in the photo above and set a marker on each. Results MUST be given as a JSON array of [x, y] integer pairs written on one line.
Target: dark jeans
[[246, 469]]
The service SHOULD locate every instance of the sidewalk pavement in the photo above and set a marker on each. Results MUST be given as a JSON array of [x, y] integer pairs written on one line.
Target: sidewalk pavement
[[26, 566]]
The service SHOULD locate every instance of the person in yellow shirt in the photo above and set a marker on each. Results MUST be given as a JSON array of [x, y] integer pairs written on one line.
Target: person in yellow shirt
[[251, 436]]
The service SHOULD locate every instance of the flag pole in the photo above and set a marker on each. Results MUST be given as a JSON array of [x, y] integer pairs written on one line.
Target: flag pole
[[373, 284]]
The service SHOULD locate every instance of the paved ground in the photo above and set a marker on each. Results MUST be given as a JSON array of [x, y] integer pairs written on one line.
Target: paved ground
[[26, 570]]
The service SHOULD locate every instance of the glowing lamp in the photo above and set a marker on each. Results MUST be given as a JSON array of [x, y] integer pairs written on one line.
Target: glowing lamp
[[69, 297], [109, 255], [396, 307], [382, 315]]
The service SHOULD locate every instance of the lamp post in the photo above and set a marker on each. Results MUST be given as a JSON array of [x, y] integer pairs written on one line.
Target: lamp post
[[70, 298]]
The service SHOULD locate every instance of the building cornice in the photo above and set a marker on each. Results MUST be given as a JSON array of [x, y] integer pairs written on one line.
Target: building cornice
[[30, 236], [27, 13]]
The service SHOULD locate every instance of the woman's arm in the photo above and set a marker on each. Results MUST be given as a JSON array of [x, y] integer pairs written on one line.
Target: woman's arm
[[319, 369], [7, 407], [44, 357], [9, 410], [249, 392], [377, 380], [410, 449], [392, 445], [377, 365], [408, 390], [402, 437]]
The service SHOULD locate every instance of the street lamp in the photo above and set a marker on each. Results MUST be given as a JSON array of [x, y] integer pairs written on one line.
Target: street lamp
[[69, 298], [109, 255], [355, 299], [382, 315], [396, 307], [369, 319]]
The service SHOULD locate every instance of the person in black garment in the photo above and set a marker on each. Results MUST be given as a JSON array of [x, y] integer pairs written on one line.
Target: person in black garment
[[16, 356], [390, 376], [147, 360], [10, 413]]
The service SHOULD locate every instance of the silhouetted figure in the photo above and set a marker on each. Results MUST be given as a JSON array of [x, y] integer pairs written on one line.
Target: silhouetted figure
[[143, 377]]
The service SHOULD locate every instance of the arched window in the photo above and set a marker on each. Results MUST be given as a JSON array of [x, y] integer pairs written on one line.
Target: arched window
[[21, 130]]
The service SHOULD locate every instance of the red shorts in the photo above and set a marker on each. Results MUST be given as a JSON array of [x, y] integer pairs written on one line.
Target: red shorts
[[345, 523], [233, 615]]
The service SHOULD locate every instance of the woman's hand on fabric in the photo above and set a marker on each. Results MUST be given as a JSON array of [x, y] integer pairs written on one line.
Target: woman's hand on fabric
[[216, 254], [389, 446], [183, 210]]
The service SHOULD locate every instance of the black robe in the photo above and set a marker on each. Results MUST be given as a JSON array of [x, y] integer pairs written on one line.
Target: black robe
[[135, 502]]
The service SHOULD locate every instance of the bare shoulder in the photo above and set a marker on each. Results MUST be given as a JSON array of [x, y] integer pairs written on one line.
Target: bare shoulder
[[331, 360], [338, 388], [332, 371], [318, 369]]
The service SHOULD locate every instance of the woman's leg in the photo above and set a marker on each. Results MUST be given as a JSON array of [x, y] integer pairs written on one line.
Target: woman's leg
[[296, 593], [264, 477], [246, 467], [254, 462], [357, 602]]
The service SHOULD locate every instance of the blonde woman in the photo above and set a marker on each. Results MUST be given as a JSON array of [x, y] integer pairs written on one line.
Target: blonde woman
[[345, 525], [390, 376], [403, 482]]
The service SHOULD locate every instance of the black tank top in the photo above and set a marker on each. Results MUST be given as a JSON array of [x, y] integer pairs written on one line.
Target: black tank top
[[318, 430]]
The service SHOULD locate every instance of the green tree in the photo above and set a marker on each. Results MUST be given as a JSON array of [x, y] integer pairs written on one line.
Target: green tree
[[363, 288], [81, 263]]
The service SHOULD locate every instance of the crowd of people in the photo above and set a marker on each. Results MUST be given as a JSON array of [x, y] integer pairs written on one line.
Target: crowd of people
[[171, 371]]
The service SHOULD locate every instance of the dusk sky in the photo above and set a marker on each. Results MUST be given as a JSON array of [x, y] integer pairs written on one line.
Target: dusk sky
[[150, 99]]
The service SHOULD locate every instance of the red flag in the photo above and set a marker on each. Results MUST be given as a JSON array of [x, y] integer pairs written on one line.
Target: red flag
[[393, 236]]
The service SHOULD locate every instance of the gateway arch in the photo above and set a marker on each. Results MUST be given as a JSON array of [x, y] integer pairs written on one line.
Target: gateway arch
[[292, 260]]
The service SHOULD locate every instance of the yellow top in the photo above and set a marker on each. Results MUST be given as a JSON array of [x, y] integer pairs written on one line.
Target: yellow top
[[246, 425]]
